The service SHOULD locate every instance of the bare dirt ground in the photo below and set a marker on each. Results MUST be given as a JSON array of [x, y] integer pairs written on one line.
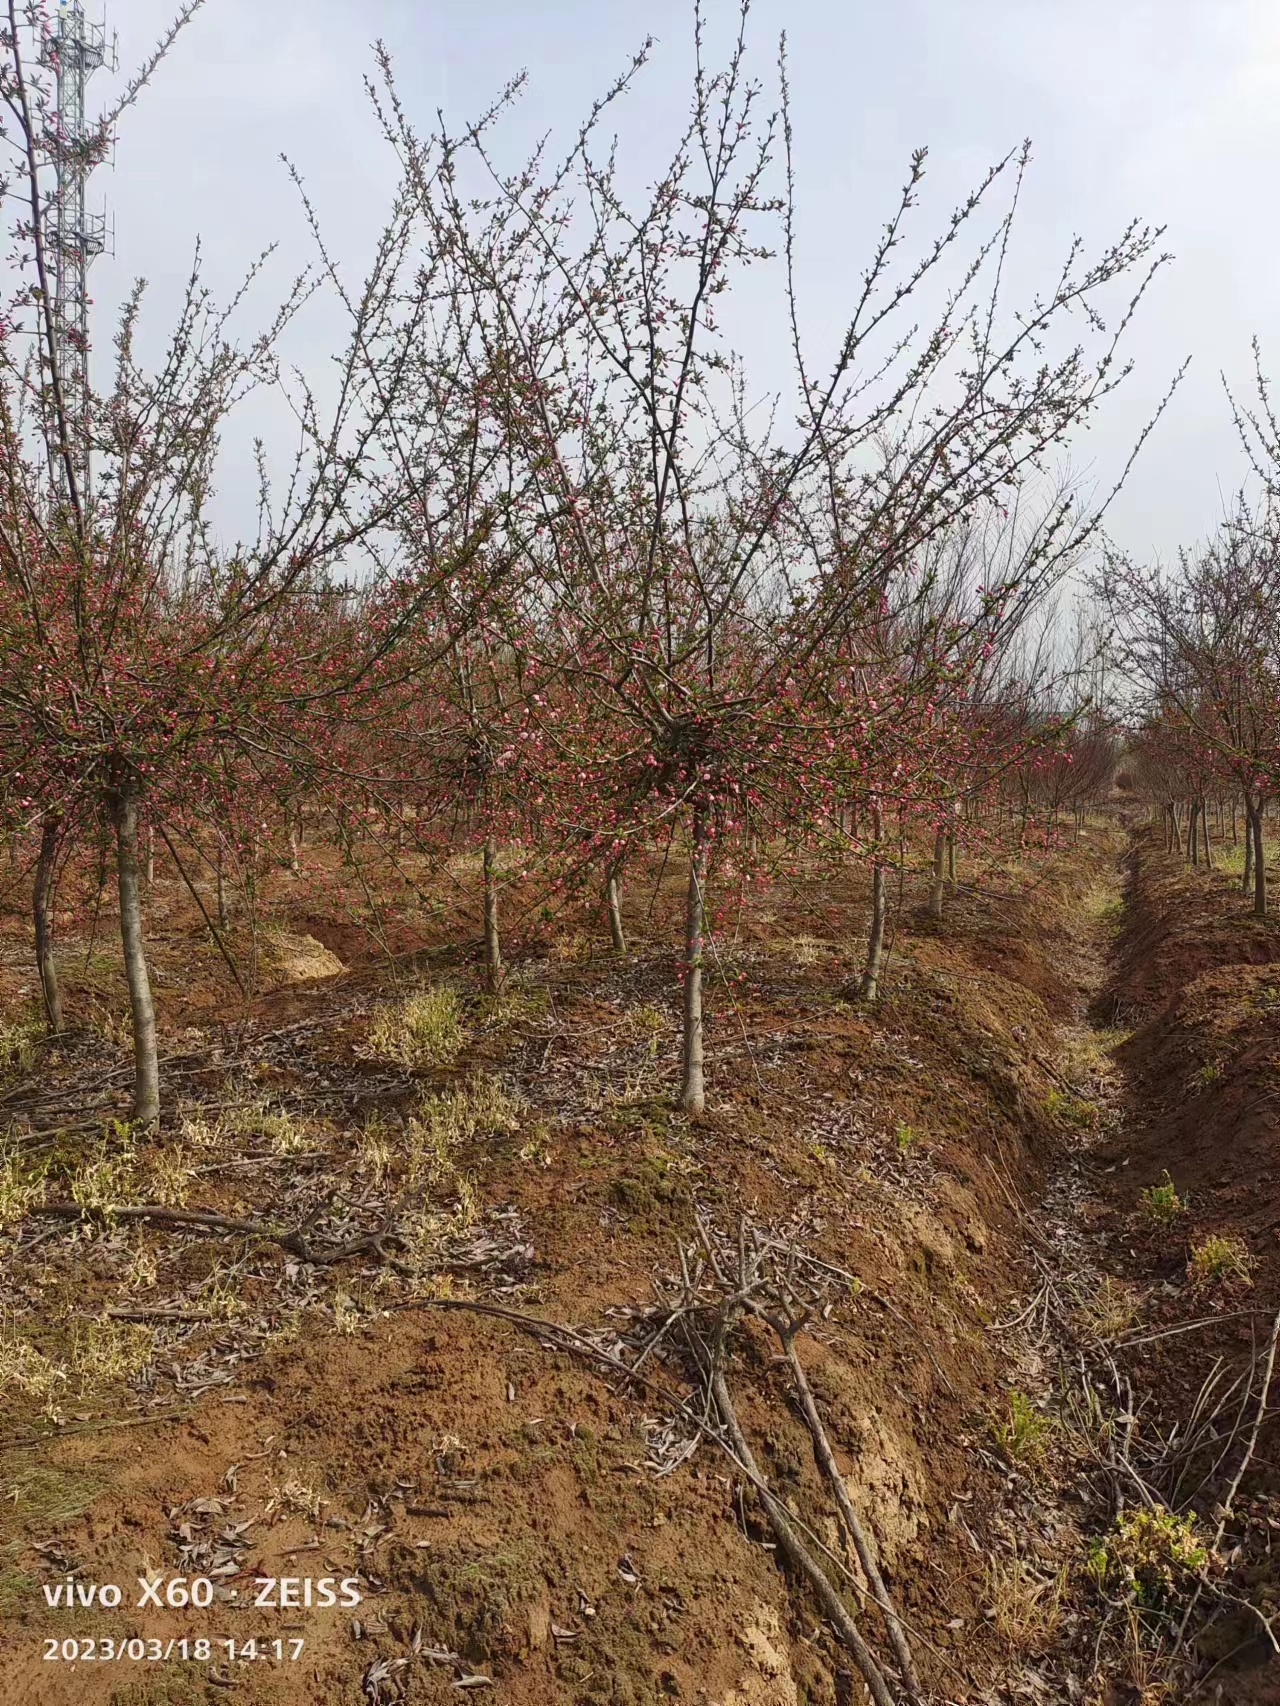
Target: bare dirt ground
[[317, 1397]]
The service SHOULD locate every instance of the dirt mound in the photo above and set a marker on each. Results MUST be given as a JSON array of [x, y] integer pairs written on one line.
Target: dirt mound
[[295, 958]]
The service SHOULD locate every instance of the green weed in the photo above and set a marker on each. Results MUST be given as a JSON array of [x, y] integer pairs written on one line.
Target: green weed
[[1025, 1430], [1160, 1203], [1149, 1557], [1071, 1111]]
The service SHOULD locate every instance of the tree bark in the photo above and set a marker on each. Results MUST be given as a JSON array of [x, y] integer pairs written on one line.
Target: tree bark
[[41, 901], [1259, 862], [222, 890], [693, 1094], [939, 874], [1204, 835], [869, 987], [1246, 881], [492, 942], [146, 1083], [613, 901]]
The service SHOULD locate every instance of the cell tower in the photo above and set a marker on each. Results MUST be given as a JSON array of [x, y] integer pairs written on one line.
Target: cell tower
[[74, 49]]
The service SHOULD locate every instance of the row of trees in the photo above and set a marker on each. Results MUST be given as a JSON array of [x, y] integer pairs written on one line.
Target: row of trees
[[1202, 645], [546, 568]]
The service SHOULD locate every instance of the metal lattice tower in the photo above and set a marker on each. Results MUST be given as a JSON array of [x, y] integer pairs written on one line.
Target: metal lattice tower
[[74, 48]]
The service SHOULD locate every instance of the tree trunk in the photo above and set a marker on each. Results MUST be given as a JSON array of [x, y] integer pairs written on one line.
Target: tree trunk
[[1259, 863], [951, 862], [1204, 835], [939, 874], [295, 841], [693, 1093], [1193, 840], [869, 986], [613, 900], [222, 889], [41, 900], [146, 1083], [492, 943]]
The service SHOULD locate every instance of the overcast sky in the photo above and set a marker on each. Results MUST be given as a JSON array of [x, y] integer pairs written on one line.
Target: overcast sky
[[1164, 109]]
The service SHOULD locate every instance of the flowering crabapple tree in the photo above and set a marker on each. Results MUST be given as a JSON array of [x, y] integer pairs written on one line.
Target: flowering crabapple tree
[[699, 567], [145, 669], [1202, 645]]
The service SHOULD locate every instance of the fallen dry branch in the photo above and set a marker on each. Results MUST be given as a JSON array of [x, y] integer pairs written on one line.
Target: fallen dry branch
[[296, 1243]]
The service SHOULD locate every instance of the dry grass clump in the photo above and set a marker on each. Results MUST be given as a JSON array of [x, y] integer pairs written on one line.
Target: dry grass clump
[[1024, 1608], [1217, 1260], [21, 1187], [102, 1353], [294, 1498], [805, 950], [104, 1179], [25, 1369], [106, 1352], [1108, 1310], [421, 1031], [482, 1106], [19, 1043], [167, 1176], [570, 948]]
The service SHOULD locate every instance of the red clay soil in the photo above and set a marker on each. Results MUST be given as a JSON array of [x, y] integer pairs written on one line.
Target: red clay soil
[[1196, 979], [499, 1503]]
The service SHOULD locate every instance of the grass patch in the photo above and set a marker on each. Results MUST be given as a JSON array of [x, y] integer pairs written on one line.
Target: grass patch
[[21, 1186], [1024, 1431], [1073, 1112], [422, 1031], [19, 1044]]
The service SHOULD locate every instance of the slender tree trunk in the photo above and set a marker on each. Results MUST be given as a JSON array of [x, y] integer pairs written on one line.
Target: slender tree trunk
[[1204, 835], [1193, 840], [1246, 881], [693, 1092], [222, 888], [869, 986], [1259, 863], [492, 942], [41, 902], [613, 901], [951, 862], [146, 1084], [939, 874]]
